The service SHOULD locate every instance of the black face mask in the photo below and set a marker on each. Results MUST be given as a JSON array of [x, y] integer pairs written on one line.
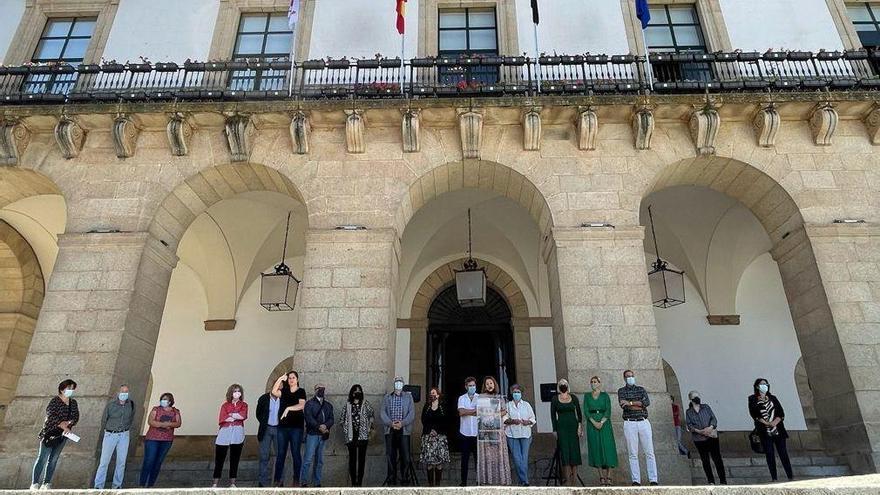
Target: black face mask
[[563, 388], [358, 395], [696, 400], [319, 393]]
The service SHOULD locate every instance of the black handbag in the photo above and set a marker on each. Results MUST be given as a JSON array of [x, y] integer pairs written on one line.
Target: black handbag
[[755, 442]]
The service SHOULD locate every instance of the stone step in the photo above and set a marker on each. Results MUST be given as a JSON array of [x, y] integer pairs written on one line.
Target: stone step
[[753, 470], [759, 460]]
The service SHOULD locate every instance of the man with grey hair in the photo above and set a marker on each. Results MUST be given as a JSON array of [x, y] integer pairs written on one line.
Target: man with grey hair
[[397, 415], [116, 423]]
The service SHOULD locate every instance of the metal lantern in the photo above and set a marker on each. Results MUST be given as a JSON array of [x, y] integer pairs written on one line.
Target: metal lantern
[[470, 282], [278, 289], [667, 284]]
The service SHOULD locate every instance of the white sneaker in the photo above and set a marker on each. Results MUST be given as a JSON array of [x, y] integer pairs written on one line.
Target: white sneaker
[[46, 486], [35, 486]]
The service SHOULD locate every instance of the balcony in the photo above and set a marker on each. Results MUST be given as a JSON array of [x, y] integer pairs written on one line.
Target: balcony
[[442, 77]]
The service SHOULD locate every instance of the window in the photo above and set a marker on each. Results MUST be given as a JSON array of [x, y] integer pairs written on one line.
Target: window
[[264, 37], [466, 32], [676, 28], [866, 19], [64, 39]]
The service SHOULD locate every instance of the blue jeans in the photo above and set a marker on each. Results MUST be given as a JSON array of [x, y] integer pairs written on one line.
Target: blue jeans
[[314, 454], [288, 438], [519, 452], [113, 442], [47, 459], [269, 441], [154, 453]]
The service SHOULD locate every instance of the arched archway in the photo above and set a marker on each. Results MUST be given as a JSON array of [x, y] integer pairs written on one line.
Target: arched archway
[[791, 248]]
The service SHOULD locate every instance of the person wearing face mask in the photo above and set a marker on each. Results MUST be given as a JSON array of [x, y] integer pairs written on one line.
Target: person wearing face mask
[[636, 428], [567, 419], [435, 445], [319, 419], [116, 423], [518, 424], [601, 448], [230, 437], [769, 418], [397, 415], [357, 423], [62, 413], [162, 419], [467, 411], [703, 425]]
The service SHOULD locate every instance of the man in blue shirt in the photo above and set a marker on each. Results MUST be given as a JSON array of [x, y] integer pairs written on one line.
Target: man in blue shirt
[[267, 416]]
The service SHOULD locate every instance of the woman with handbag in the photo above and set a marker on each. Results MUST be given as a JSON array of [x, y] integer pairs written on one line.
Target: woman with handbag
[[703, 425], [435, 444], [769, 416], [357, 423], [62, 414]]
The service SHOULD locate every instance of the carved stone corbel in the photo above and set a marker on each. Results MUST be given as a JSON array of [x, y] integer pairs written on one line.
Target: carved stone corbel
[[872, 122], [587, 128], [14, 139], [410, 130], [69, 136], [823, 123], [766, 123], [643, 127], [470, 123], [125, 134], [179, 131], [239, 135], [300, 132], [532, 129], [704, 124], [354, 131]]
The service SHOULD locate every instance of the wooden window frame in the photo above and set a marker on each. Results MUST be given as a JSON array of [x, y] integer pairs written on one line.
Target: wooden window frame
[[505, 24], [38, 12], [715, 34]]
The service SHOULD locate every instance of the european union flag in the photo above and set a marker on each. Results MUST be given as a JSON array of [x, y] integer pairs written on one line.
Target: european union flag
[[643, 13]]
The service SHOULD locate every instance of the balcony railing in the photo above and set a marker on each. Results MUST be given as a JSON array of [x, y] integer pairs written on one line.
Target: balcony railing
[[441, 77]]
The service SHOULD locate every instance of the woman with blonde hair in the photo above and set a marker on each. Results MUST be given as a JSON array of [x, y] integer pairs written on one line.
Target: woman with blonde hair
[[601, 449], [493, 464], [230, 437], [566, 416]]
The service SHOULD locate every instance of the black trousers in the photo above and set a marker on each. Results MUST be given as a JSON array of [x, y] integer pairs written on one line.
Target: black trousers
[[357, 456], [468, 447], [397, 451], [777, 442], [220, 458], [711, 447]]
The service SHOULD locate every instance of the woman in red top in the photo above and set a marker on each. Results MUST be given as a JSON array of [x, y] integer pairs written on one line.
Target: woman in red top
[[163, 419], [233, 412]]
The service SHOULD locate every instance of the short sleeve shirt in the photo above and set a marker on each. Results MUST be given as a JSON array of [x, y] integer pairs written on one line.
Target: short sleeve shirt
[[294, 419], [468, 426]]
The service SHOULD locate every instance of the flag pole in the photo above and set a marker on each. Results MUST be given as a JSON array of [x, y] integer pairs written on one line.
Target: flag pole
[[402, 51], [649, 69], [293, 24], [537, 58]]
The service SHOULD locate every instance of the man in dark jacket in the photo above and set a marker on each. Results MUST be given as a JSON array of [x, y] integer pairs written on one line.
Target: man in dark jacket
[[267, 416], [319, 419]]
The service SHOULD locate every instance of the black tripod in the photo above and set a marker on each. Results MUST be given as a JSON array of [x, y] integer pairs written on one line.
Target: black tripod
[[554, 471], [409, 472]]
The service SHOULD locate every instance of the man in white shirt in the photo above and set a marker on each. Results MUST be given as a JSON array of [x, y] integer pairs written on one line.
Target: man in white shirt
[[518, 423], [467, 410]]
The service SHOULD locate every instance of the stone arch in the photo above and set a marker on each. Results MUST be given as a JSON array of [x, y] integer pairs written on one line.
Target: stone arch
[[21, 296], [835, 395], [19, 183], [284, 366], [475, 174], [198, 192], [496, 278]]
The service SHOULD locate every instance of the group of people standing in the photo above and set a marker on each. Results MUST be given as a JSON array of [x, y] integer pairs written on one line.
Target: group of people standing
[[493, 429]]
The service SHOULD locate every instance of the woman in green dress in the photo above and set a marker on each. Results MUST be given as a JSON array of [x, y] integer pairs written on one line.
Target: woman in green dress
[[565, 412], [602, 450]]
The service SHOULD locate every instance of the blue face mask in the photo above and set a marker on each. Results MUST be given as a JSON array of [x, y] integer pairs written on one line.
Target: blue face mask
[[68, 392], [398, 385], [472, 389], [123, 396], [517, 396], [630, 380], [164, 402], [763, 388]]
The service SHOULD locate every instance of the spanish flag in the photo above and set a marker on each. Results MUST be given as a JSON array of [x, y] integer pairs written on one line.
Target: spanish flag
[[401, 16]]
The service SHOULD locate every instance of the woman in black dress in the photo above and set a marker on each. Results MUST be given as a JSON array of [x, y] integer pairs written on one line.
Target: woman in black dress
[[435, 446]]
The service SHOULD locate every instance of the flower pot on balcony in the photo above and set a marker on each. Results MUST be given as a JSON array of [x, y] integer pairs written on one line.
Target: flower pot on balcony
[[140, 67], [572, 60], [313, 65], [237, 65], [493, 61], [446, 90], [40, 69], [549, 60], [623, 59], [257, 64], [749, 56], [469, 61], [826, 56], [771, 56], [372, 63], [514, 61], [704, 57], [656, 58], [194, 66], [167, 67], [492, 89], [62, 68], [725, 56], [860, 54], [280, 65], [218, 66], [389, 63], [112, 68], [596, 59], [446, 61], [422, 62], [800, 56], [682, 57], [342, 63], [88, 69]]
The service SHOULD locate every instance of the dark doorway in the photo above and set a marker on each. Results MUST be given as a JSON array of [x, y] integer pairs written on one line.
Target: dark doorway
[[466, 342]]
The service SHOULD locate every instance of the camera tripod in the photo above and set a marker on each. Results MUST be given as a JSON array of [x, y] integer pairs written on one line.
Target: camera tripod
[[408, 473], [554, 471]]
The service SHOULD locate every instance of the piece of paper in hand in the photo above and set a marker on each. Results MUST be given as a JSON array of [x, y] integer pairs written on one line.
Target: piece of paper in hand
[[72, 436]]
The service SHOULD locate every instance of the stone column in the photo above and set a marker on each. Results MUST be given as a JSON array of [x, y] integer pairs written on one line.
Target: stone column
[[98, 326], [604, 324], [842, 349], [347, 328]]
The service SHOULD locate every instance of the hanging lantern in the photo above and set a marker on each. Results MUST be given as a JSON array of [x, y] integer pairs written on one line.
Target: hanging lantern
[[470, 282], [278, 289], [667, 284]]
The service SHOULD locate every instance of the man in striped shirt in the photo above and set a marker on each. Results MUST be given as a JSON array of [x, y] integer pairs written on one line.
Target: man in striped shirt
[[636, 428]]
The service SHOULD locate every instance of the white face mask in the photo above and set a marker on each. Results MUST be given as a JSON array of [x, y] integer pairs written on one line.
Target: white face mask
[[68, 392], [398, 385], [236, 395], [630, 380]]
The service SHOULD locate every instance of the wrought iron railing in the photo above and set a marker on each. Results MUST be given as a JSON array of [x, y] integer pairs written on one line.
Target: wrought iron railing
[[441, 77]]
